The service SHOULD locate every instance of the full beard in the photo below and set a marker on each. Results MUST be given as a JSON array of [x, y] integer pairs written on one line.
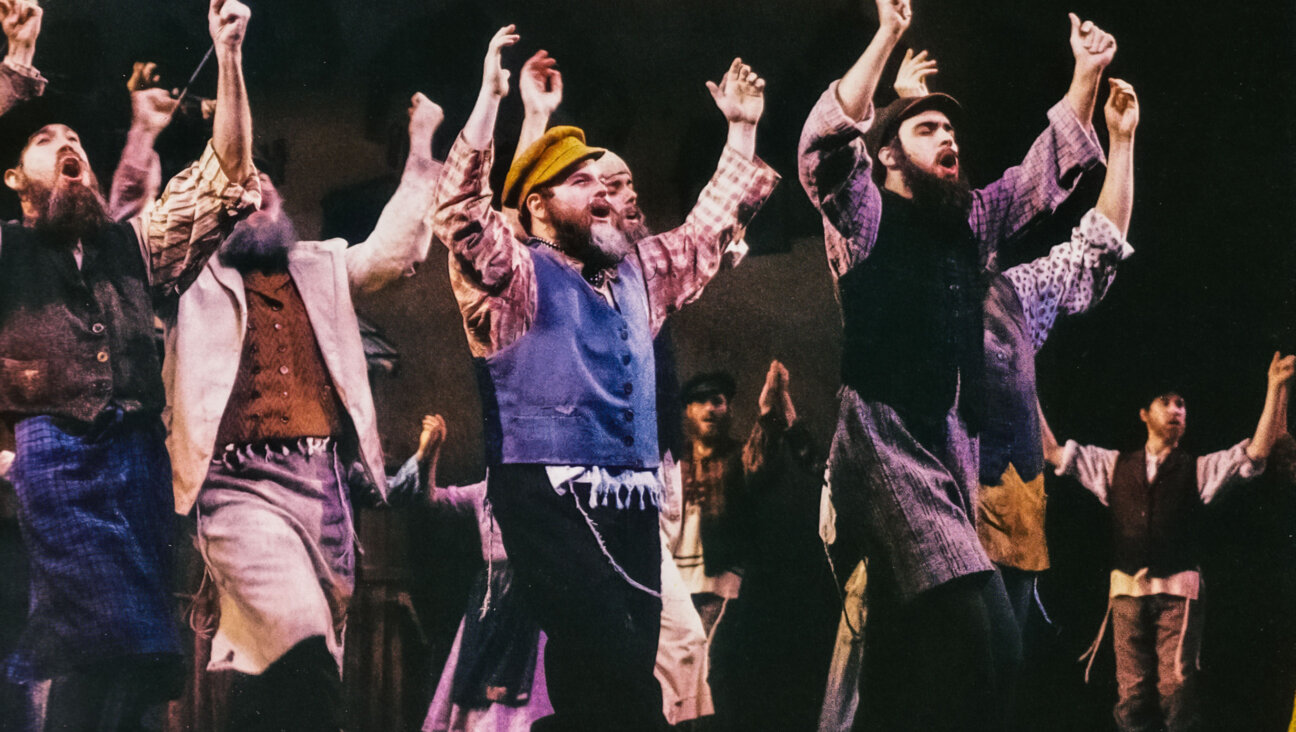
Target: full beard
[[948, 197], [634, 229], [69, 212], [598, 246], [261, 246]]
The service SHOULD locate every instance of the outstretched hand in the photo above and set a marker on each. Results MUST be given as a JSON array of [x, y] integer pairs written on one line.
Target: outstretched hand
[[22, 22], [1122, 110], [227, 22], [1281, 370], [1092, 47], [911, 79], [540, 85], [740, 95], [495, 78]]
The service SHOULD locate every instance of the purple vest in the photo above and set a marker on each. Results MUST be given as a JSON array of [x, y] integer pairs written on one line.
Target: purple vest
[[579, 387]]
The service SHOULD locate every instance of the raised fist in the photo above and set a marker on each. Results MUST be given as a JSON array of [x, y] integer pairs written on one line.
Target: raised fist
[[227, 22], [894, 16], [1122, 110], [22, 22], [425, 116]]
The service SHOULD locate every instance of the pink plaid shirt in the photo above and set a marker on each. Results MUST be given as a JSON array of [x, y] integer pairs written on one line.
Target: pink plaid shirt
[[494, 278]]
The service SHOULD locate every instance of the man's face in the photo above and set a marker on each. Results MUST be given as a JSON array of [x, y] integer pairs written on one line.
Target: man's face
[[708, 418], [928, 140], [262, 240], [1166, 417], [54, 158], [581, 216], [626, 214]]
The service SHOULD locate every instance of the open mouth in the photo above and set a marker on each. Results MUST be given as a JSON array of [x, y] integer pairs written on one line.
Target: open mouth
[[948, 161], [70, 166], [633, 214], [600, 210]]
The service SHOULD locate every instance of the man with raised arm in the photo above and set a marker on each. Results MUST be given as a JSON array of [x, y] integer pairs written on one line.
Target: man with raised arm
[[561, 330], [272, 428], [81, 383], [1157, 496], [908, 243]]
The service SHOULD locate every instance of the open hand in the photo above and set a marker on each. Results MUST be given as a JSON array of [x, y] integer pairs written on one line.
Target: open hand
[[740, 95], [540, 84], [911, 79], [495, 78], [1092, 47]]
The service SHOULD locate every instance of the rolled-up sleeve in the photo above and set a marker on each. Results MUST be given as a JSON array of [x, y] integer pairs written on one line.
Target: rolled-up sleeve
[[184, 227]]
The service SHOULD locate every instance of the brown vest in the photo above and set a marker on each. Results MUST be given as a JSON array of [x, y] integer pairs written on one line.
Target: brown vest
[[1155, 525], [283, 389]]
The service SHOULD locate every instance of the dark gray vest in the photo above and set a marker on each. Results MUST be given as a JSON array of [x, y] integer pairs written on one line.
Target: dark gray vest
[[1010, 430], [1155, 525]]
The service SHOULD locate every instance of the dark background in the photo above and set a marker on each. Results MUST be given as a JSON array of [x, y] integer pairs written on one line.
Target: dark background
[[1205, 301]]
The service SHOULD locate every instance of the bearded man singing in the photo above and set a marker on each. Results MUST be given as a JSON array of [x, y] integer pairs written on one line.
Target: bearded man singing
[[561, 329], [909, 243], [81, 384]]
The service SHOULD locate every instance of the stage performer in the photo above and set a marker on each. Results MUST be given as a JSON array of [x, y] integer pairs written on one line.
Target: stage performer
[[272, 430], [561, 330], [908, 254], [1157, 496], [81, 384]]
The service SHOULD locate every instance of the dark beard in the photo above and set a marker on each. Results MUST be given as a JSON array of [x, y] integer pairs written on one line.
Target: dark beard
[[262, 246], [952, 198], [597, 246], [69, 212]]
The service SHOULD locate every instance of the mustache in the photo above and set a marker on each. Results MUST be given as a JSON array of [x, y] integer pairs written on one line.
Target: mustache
[[260, 246]]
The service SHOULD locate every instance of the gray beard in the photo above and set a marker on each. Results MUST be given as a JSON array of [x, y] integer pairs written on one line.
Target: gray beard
[[597, 246]]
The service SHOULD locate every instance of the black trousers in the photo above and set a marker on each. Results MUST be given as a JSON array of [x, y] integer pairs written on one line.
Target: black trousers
[[602, 631], [112, 696], [945, 661], [300, 692]]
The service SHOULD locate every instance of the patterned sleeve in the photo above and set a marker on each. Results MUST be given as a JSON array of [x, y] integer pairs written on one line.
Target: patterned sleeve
[[1043, 180], [1072, 277], [1220, 470], [491, 272], [678, 263], [184, 227], [18, 83], [1092, 466], [836, 172]]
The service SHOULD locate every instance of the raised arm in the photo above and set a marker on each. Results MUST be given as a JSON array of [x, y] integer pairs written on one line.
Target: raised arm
[[138, 177], [490, 270], [679, 263], [1272, 419], [1052, 166], [403, 233], [199, 206], [1077, 274], [19, 80], [541, 88], [777, 413], [832, 162], [232, 125], [1094, 50], [856, 88], [418, 473]]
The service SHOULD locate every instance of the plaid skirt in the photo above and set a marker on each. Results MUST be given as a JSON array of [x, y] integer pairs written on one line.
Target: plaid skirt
[[94, 508]]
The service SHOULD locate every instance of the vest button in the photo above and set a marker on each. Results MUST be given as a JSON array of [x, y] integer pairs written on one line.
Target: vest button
[[628, 414], [628, 440], [283, 370], [102, 356], [284, 419], [625, 334], [953, 288], [97, 328], [626, 359], [628, 389]]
